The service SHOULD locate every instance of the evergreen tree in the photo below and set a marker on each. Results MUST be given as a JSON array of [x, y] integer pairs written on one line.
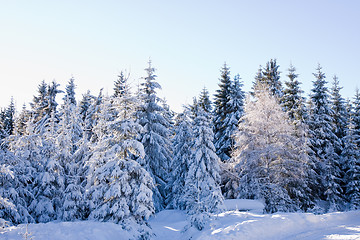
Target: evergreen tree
[[228, 125], [44, 105], [221, 111], [292, 100], [85, 104], [119, 189], [39, 103], [351, 155], [21, 121], [169, 115], [340, 118], [53, 90], [67, 141], [9, 118], [356, 118], [258, 81], [3, 133], [231, 125], [89, 109], [269, 161], [204, 100], [27, 149], [322, 139], [48, 185], [202, 194], [13, 193], [339, 114], [155, 136], [7, 208], [119, 84], [222, 97], [269, 77], [181, 160], [70, 92], [194, 108]]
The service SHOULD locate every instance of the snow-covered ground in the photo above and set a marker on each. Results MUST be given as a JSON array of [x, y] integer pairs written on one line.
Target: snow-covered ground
[[232, 224]]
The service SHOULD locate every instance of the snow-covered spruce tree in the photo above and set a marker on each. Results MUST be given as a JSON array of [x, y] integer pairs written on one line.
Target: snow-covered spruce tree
[[221, 111], [67, 141], [155, 136], [44, 105], [3, 133], [119, 189], [269, 76], [48, 185], [236, 106], [356, 117], [322, 139], [70, 92], [340, 117], [85, 104], [21, 121], [340, 114], [39, 103], [269, 162], [169, 116], [292, 101], [27, 151], [202, 193], [119, 84], [16, 187], [181, 160], [258, 81], [14, 195], [36, 148], [7, 208], [351, 154], [99, 140], [9, 118], [204, 101], [89, 110]]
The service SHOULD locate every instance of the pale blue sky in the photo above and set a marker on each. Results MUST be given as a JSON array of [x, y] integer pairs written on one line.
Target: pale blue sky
[[188, 42]]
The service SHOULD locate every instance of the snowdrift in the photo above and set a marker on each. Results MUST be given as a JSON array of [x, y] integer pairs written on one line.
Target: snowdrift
[[232, 224]]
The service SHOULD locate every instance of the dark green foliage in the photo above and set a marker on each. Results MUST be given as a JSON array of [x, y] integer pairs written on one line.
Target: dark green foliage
[[322, 143], [269, 77], [70, 92], [204, 101], [292, 101]]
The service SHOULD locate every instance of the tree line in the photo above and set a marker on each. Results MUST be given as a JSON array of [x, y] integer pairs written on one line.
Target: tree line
[[123, 157]]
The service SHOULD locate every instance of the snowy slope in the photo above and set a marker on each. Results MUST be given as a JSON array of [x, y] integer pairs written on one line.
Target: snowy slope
[[233, 224]]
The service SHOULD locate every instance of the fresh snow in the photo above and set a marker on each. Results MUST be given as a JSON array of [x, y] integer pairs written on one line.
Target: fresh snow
[[244, 205], [232, 224]]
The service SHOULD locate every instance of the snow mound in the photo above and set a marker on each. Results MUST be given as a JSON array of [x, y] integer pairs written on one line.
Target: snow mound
[[170, 225], [66, 231], [282, 226], [244, 205]]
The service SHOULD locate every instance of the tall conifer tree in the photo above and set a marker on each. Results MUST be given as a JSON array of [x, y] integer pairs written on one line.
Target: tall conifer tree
[[181, 161], [155, 136], [269, 76], [202, 194], [292, 101], [322, 139]]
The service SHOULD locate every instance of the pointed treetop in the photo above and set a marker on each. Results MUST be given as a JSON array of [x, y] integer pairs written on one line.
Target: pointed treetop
[[121, 86], [204, 100], [70, 91]]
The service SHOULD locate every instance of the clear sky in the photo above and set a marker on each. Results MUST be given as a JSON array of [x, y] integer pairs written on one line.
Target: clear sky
[[188, 42]]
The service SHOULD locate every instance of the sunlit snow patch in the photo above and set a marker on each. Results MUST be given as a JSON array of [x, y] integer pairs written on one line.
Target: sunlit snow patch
[[244, 205]]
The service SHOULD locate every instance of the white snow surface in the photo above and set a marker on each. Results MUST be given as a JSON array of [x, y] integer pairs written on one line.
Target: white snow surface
[[244, 205], [232, 224]]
